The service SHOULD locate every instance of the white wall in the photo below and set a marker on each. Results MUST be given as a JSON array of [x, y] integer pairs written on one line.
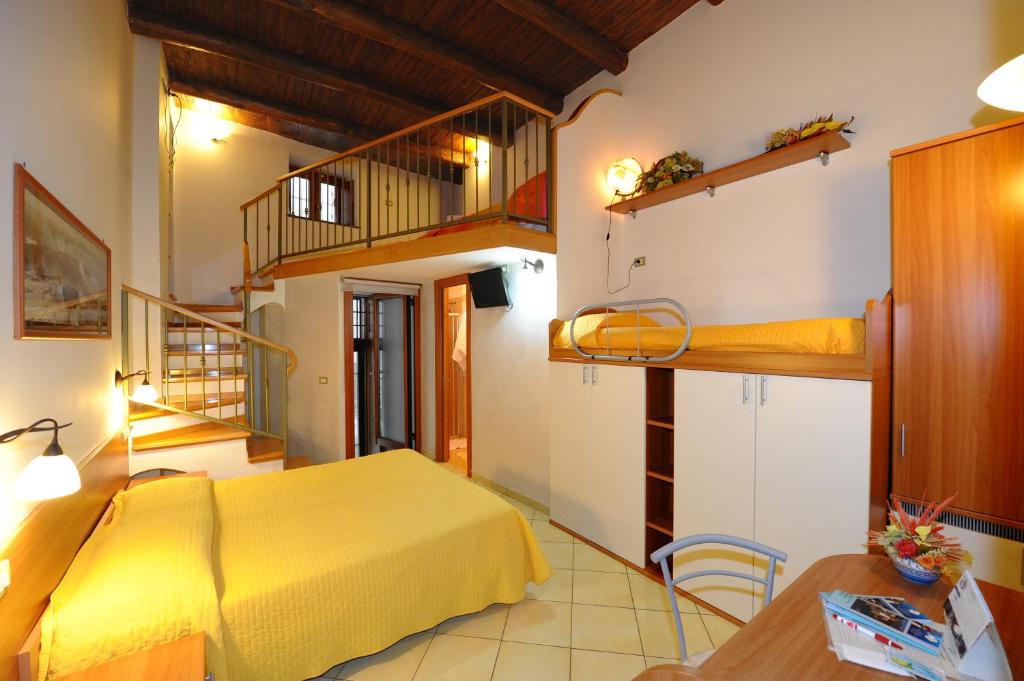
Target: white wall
[[804, 241], [66, 78]]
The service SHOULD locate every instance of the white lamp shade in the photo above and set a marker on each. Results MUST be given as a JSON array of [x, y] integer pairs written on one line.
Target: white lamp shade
[[145, 392], [48, 477], [1004, 88], [623, 174]]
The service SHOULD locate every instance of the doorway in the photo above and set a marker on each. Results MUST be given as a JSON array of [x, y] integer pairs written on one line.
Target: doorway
[[453, 371], [381, 348]]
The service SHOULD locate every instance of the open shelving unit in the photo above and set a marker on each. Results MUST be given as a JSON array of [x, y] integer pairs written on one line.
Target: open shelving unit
[[660, 458], [816, 147]]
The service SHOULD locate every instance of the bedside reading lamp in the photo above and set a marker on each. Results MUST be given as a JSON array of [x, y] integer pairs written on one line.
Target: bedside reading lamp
[[51, 474]]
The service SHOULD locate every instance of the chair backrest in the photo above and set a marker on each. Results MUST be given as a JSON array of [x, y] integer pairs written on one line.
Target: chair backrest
[[665, 553]]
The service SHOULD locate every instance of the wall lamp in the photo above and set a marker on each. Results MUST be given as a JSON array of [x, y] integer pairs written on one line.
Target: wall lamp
[[624, 176], [145, 392], [537, 265], [51, 474], [1004, 88]]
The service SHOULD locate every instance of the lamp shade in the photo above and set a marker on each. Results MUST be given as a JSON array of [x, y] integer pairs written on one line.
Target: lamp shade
[[1004, 88], [48, 476], [623, 175], [145, 392]]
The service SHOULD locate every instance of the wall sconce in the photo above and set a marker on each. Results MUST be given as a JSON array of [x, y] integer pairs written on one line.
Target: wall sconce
[[537, 265], [145, 392], [1004, 88], [51, 474], [623, 176]]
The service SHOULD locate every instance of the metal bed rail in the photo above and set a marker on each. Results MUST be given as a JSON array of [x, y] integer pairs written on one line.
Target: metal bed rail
[[643, 305]]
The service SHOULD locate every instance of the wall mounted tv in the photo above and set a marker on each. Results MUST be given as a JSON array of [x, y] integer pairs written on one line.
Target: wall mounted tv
[[488, 288]]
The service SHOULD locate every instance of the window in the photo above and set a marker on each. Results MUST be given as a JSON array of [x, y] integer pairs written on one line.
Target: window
[[329, 201]]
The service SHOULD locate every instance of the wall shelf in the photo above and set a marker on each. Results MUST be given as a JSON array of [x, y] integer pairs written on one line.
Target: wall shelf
[[815, 147]]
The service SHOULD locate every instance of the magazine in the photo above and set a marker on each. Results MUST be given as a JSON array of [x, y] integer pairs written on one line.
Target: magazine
[[890, 616]]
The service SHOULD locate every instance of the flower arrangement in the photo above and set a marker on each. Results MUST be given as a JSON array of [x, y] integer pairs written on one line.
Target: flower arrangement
[[783, 137], [671, 169], [917, 547]]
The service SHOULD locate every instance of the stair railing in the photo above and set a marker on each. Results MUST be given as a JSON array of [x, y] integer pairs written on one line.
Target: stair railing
[[205, 340]]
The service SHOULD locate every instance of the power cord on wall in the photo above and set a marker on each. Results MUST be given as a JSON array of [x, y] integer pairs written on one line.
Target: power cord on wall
[[608, 262]]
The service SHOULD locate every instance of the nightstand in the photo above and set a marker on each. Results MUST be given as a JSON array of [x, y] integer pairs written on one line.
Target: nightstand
[[181, 660]]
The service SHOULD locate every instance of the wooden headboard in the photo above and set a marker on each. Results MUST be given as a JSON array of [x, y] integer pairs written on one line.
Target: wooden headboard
[[47, 541]]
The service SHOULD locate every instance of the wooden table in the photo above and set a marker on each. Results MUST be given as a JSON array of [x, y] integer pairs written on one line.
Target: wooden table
[[787, 640]]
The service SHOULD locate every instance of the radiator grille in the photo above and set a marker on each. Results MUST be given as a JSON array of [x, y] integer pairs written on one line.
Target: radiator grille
[[968, 523]]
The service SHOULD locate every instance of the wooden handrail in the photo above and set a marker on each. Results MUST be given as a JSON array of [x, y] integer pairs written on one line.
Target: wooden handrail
[[258, 198], [293, 360], [422, 124]]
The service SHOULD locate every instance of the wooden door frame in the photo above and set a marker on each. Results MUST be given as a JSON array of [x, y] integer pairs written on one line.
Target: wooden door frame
[[349, 371], [440, 432]]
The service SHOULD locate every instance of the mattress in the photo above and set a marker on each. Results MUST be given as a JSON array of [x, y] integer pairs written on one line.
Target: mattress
[[620, 335]]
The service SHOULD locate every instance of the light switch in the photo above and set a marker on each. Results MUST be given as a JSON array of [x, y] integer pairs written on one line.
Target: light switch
[[5, 576], [323, 380]]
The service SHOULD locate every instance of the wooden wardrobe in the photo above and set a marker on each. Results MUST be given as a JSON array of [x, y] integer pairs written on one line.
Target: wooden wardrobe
[[958, 345]]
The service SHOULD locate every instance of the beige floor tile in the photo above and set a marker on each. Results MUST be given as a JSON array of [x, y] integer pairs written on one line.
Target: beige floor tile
[[613, 630], [559, 554], [557, 588], [651, 595], [547, 532], [588, 665], [527, 511], [529, 662], [601, 588], [719, 629], [397, 663], [458, 658], [655, 661], [657, 629], [541, 622], [585, 557], [488, 623], [541, 516]]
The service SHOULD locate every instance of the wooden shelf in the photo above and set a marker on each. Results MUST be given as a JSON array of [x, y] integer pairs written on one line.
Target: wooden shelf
[[829, 143], [665, 476], [660, 525], [661, 422]]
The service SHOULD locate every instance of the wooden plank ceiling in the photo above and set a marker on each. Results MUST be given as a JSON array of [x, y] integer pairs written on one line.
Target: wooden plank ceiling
[[337, 73]]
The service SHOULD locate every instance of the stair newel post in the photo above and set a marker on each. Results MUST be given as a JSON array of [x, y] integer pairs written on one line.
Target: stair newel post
[[246, 325], [202, 364], [184, 359], [265, 374], [280, 220], [284, 411], [125, 344], [504, 160], [220, 377], [245, 226], [164, 390]]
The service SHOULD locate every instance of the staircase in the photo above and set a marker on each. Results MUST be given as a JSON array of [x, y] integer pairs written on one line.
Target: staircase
[[214, 411]]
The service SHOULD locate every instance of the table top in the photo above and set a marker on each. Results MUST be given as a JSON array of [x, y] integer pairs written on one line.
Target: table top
[[787, 640]]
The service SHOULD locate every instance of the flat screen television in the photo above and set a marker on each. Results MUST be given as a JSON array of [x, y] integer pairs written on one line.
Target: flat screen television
[[488, 288]]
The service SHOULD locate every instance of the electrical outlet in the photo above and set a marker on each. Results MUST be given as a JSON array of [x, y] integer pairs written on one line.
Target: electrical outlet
[[5, 576], [323, 380], [640, 261]]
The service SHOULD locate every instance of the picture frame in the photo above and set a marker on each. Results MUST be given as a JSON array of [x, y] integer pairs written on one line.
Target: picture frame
[[61, 268]]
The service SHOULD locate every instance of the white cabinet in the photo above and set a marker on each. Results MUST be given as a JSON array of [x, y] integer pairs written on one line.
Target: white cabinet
[[597, 454], [778, 459]]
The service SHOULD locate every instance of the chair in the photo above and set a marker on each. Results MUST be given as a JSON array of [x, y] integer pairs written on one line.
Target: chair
[[666, 552]]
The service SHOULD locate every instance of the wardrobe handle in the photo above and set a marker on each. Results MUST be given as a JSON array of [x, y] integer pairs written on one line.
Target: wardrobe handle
[[903, 440], [746, 389], [593, 375], [764, 390], [585, 374]]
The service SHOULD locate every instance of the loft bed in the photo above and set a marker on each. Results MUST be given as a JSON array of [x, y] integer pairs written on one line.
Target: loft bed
[[657, 332]]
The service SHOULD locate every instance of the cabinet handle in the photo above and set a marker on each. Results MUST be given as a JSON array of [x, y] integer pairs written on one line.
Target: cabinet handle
[[764, 390], [593, 375], [903, 440], [585, 374], [746, 389]]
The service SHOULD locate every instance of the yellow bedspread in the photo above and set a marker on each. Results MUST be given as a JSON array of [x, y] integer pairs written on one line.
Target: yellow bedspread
[[322, 564], [833, 336]]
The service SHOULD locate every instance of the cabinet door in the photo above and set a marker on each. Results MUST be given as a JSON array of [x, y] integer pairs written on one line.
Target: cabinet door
[[714, 481], [569, 386], [616, 461], [957, 253], [813, 462]]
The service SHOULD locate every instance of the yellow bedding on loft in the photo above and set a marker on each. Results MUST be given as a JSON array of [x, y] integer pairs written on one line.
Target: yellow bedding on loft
[[307, 568], [833, 336]]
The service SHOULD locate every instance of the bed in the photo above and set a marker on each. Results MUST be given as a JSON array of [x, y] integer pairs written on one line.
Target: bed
[[289, 573]]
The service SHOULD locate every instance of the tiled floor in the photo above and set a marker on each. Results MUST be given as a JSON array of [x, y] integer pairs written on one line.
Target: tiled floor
[[594, 620]]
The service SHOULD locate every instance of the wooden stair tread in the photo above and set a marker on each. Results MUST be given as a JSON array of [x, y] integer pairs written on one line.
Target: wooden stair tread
[[263, 448], [138, 411], [203, 307], [198, 349], [202, 433], [255, 287], [194, 326], [297, 462], [209, 375], [196, 402]]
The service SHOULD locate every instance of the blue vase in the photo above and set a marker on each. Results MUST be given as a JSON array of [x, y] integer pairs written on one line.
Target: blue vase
[[913, 572]]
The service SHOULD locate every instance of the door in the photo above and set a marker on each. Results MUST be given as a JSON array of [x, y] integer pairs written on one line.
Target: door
[[615, 460], [390, 373], [570, 438], [714, 481], [813, 464], [453, 342]]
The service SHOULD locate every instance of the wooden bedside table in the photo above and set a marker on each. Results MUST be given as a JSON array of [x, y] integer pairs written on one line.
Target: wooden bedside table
[[181, 660]]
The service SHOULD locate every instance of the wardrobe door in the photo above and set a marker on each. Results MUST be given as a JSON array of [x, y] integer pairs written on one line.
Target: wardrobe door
[[714, 481], [616, 460], [813, 463], [958, 259], [570, 442]]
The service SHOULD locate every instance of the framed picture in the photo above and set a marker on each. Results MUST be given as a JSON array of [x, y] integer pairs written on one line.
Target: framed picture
[[61, 269]]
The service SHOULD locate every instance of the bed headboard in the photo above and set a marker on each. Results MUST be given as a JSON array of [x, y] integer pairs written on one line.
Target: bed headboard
[[48, 539]]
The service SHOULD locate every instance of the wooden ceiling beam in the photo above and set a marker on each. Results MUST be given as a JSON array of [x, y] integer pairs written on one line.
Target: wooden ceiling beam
[[568, 30], [400, 36], [169, 30], [715, 3]]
